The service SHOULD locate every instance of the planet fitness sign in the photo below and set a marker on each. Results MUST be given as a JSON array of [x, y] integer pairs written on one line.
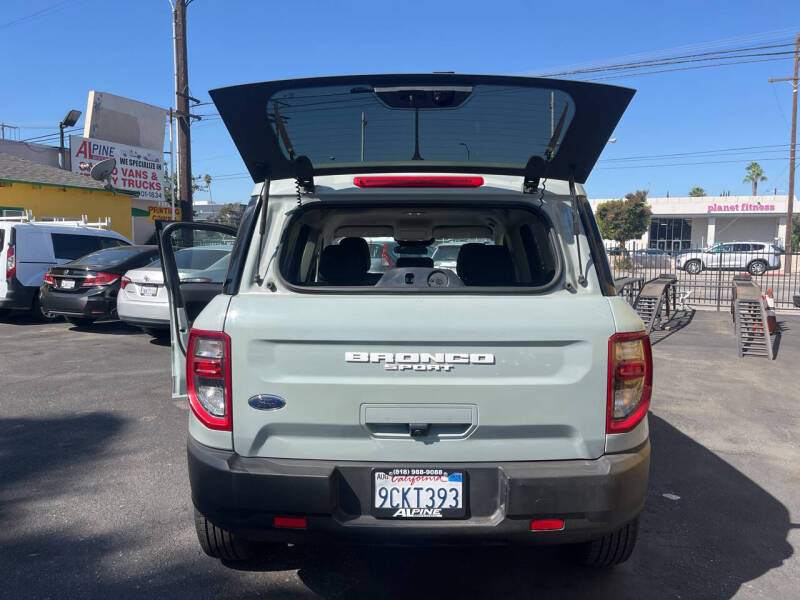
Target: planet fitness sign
[[138, 169]]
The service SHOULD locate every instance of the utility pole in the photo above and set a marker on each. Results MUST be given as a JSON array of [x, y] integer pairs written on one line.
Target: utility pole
[[182, 112], [792, 146]]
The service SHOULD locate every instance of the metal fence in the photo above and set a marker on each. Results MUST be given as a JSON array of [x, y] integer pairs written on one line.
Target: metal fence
[[705, 276]]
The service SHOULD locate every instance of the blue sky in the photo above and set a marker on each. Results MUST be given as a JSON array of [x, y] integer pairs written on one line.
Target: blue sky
[[54, 52]]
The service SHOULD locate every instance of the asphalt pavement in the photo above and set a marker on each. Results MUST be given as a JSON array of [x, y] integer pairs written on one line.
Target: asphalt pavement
[[94, 497]]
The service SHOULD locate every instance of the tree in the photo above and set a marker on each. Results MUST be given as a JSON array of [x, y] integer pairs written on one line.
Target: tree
[[168, 189], [795, 233], [696, 192], [754, 174], [229, 214], [623, 220]]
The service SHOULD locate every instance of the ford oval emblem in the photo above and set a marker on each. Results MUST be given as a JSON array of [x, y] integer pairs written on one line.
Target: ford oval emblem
[[266, 402]]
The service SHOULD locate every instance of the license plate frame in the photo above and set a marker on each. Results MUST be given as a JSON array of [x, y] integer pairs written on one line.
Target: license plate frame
[[405, 513], [67, 284], [152, 290]]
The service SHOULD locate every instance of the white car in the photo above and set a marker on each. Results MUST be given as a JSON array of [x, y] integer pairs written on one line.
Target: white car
[[754, 257], [142, 299]]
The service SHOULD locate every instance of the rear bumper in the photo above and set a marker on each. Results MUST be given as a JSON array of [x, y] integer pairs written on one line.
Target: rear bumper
[[243, 495], [18, 295], [142, 313], [94, 303]]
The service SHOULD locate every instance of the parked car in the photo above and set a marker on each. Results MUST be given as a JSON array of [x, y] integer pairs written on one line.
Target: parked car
[[29, 248], [651, 258], [754, 257], [142, 301], [503, 401], [85, 290]]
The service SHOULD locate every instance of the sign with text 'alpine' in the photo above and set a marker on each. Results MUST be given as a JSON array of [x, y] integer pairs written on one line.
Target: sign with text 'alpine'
[[138, 169]]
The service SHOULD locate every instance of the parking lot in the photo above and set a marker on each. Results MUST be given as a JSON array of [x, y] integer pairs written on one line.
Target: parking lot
[[95, 502]]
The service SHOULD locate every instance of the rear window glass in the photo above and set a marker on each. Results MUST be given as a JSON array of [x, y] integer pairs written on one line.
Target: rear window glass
[[111, 256], [483, 124], [70, 246], [491, 247]]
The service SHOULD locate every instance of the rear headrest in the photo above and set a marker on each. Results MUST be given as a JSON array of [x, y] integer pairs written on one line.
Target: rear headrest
[[414, 261], [346, 263], [481, 264], [358, 246]]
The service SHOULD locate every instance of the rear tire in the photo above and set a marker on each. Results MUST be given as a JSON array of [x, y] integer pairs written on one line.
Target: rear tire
[[80, 321], [757, 267], [38, 312], [218, 543], [611, 549], [693, 267]]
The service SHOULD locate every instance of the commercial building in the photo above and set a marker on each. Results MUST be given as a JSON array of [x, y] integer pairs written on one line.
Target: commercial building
[[52, 193], [694, 222]]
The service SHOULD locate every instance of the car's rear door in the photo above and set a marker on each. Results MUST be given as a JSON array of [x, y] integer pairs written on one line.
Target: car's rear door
[[187, 299]]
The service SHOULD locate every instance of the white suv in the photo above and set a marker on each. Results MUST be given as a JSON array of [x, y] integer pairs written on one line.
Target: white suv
[[503, 400], [754, 257]]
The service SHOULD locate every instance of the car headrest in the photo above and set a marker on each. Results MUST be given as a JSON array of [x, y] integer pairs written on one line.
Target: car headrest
[[415, 261], [358, 245], [482, 264], [345, 263]]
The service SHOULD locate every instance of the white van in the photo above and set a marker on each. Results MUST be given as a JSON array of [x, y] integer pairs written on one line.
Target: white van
[[28, 248]]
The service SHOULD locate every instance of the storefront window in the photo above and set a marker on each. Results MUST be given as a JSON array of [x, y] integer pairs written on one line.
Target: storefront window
[[671, 235]]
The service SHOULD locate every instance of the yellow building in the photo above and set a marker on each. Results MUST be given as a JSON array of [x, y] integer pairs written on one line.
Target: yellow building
[[48, 191]]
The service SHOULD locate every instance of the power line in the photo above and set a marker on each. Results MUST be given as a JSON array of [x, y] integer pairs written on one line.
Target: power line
[[39, 13], [710, 162], [685, 154], [687, 68]]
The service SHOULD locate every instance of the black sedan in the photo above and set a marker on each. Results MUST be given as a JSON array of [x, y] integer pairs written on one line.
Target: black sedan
[[85, 290]]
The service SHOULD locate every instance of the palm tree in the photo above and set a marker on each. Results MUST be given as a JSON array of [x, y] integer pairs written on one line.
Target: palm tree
[[754, 174], [207, 180]]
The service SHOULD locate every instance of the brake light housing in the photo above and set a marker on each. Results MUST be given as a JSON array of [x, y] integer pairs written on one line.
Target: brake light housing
[[100, 279], [48, 278], [11, 262], [418, 181], [208, 378], [630, 380], [386, 260], [124, 281]]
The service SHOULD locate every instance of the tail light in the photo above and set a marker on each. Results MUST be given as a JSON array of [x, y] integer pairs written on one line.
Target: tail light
[[386, 260], [11, 263], [208, 378], [48, 278], [418, 181], [196, 280], [630, 380], [99, 279], [124, 281]]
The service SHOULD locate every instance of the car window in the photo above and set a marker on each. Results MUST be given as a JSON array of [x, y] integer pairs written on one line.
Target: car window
[[519, 253], [756, 247], [194, 258], [446, 253], [70, 246], [111, 256], [2, 237], [741, 247]]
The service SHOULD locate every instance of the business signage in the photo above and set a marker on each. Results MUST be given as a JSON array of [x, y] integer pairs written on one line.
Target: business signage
[[162, 213], [741, 207], [138, 169]]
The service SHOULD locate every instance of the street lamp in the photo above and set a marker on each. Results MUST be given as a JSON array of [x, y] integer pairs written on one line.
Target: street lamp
[[68, 121]]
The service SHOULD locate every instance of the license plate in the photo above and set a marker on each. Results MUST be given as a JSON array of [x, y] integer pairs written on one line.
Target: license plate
[[67, 284], [419, 493], [148, 289]]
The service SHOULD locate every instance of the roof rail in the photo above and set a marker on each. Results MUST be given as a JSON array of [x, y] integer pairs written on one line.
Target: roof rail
[[24, 218], [60, 221]]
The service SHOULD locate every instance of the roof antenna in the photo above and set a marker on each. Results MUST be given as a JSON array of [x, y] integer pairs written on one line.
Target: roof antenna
[[575, 225]]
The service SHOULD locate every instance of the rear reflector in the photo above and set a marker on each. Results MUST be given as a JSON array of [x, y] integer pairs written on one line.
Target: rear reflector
[[290, 522], [418, 181], [547, 525]]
